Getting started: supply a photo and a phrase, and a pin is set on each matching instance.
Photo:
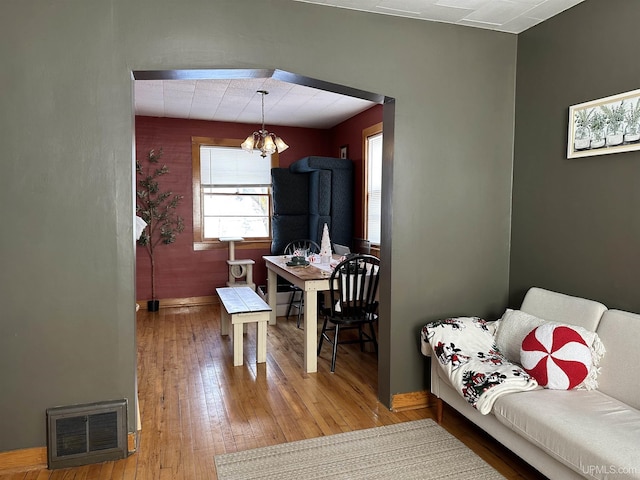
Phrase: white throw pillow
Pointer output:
(512, 328)
(516, 324)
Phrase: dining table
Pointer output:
(311, 278)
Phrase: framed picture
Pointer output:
(607, 125)
(344, 151)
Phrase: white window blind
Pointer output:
(231, 166)
(235, 189)
(374, 187)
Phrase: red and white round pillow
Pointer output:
(557, 356)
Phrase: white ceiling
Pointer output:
(236, 100)
(512, 16)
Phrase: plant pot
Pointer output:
(581, 144)
(153, 305)
(614, 139)
(631, 137)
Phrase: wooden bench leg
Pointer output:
(261, 342)
(237, 344)
(225, 320)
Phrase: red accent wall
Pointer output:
(182, 272)
(349, 133)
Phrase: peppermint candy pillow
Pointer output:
(557, 356)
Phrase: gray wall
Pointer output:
(67, 296)
(576, 223)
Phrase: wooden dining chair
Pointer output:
(305, 248)
(353, 303)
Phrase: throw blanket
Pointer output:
(467, 353)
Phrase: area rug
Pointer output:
(418, 450)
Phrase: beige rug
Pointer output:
(412, 450)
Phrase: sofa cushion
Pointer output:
(561, 308)
(320, 192)
(512, 328)
(587, 430)
(289, 193)
(557, 356)
(620, 367)
(287, 228)
(341, 193)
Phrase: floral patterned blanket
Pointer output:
(466, 351)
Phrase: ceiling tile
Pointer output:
(466, 4)
(550, 9)
(489, 14)
(497, 12)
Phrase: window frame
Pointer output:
(199, 242)
(368, 132)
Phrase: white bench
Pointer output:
(238, 306)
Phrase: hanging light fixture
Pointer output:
(262, 140)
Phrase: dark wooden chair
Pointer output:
(305, 248)
(353, 303)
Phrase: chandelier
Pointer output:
(262, 140)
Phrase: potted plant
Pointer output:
(597, 124)
(158, 209)
(632, 119)
(582, 135)
(615, 118)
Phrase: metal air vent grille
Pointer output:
(83, 434)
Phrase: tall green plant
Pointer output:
(582, 119)
(597, 122)
(157, 208)
(614, 117)
(632, 117)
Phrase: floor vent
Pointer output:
(84, 434)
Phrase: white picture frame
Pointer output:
(603, 126)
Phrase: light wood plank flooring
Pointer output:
(194, 404)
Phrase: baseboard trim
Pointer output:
(132, 442)
(411, 401)
(182, 302)
(25, 459)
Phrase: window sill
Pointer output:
(244, 245)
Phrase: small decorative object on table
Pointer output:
(298, 261)
(325, 246)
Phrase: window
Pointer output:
(372, 139)
(231, 192)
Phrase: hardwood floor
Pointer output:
(194, 404)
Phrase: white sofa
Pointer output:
(569, 433)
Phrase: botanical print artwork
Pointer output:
(608, 125)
